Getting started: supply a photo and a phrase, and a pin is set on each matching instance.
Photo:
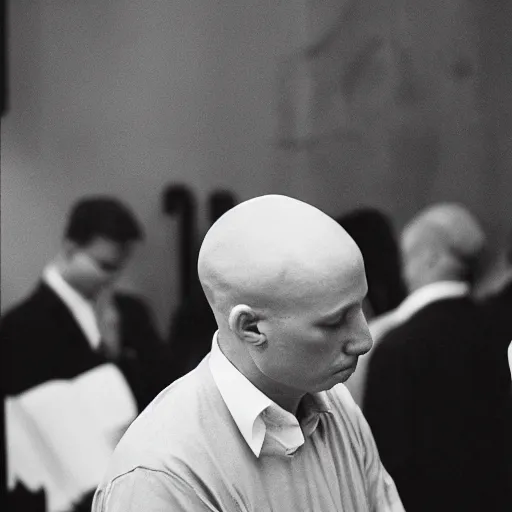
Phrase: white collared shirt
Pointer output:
(417, 300)
(80, 308)
(509, 356)
(264, 425)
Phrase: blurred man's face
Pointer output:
(93, 267)
(315, 342)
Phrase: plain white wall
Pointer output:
(125, 97)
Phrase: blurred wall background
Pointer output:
(340, 103)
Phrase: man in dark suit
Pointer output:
(498, 310)
(431, 399)
(74, 322)
(498, 304)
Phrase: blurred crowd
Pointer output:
(80, 359)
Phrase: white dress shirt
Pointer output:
(80, 308)
(259, 419)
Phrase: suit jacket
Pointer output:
(434, 408)
(41, 340)
(498, 309)
(498, 313)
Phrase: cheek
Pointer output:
(304, 350)
(320, 348)
(95, 281)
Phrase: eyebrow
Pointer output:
(333, 315)
(339, 311)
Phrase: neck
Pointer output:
(287, 402)
(285, 397)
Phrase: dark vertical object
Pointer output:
(219, 202)
(178, 200)
(3, 110)
(3, 472)
(373, 232)
(4, 71)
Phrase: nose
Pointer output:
(361, 340)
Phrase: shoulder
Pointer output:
(498, 306)
(150, 490)
(340, 396)
(437, 320)
(382, 324)
(349, 418)
(396, 341)
(455, 323)
(502, 297)
(343, 406)
(402, 349)
(174, 428)
(446, 312)
(38, 308)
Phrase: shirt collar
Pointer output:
(80, 308)
(253, 412)
(429, 293)
(416, 301)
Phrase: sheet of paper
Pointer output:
(61, 434)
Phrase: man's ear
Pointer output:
(432, 257)
(243, 321)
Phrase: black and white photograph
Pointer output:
(256, 256)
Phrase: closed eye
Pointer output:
(336, 323)
(343, 318)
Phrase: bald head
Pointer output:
(269, 249)
(446, 236)
(286, 284)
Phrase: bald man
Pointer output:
(264, 422)
(430, 389)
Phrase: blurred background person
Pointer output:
(373, 232)
(498, 303)
(431, 397)
(75, 323)
(497, 308)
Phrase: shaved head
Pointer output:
(444, 241)
(452, 224)
(266, 250)
(286, 284)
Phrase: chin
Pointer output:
(344, 375)
(334, 380)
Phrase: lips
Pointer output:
(352, 368)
